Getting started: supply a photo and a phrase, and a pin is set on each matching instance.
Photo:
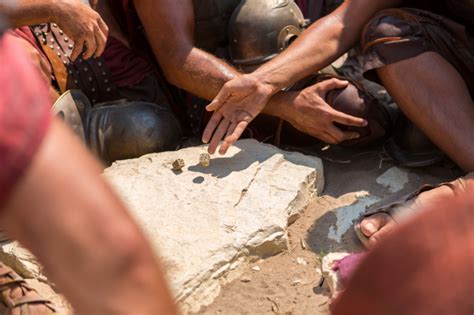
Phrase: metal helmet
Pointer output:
(260, 29)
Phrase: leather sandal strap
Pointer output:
(7, 285)
(393, 206)
(28, 300)
(11, 280)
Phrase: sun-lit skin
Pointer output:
(169, 26)
(81, 23)
(62, 210)
(427, 88)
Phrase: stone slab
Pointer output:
(206, 222)
(394, 179)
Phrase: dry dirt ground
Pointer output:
(290, 283)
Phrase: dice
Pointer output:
(178, 165)
(204, 159)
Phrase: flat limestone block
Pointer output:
(205, 222)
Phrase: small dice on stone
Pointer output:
(178, 165)
(204, 159)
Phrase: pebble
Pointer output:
(256, 268)
(301, 261)
(296, 282)
(303, 244)
(245, 279)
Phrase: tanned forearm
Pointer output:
(169, 25)
(200, 73)
(29, 12)
(322, 43)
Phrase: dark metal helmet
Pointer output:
(261, 29)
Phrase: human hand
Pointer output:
(312, 115)
(237, 104)
(83, 25)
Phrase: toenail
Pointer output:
(370, 228)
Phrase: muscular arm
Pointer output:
(65, 213)
(170, 28)
(169, 25)
(322, 43)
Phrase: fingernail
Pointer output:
(357, 136)
(366, 123)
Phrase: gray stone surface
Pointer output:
(394, 179)
(207, 222)
(345, 215)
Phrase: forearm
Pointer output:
(280, 105)
(169, 25)
(316, 48)
(198, 72)
(29, 12)
(321, 44)
(82, 234)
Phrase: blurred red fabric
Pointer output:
(24, 114)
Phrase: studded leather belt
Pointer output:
(90, 76)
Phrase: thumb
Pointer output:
(219, 100)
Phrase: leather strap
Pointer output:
(28, 300)
(10, 280)
(90, 76)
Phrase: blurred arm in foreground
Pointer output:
(54, 201)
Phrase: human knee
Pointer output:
(353, 101)
(386, 25)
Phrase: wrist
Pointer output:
(268, 81)
(281, 105)
(56, 10)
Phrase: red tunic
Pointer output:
(24, 114)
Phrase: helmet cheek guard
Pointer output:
(260, 29)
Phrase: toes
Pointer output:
(371, 225)
(382, 233)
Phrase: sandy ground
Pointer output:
(290, 283)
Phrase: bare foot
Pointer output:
(376, 227)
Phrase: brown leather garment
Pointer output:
(356, 101)
(17, 298)
(90, 76)
(353, 101)
(394, 35)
